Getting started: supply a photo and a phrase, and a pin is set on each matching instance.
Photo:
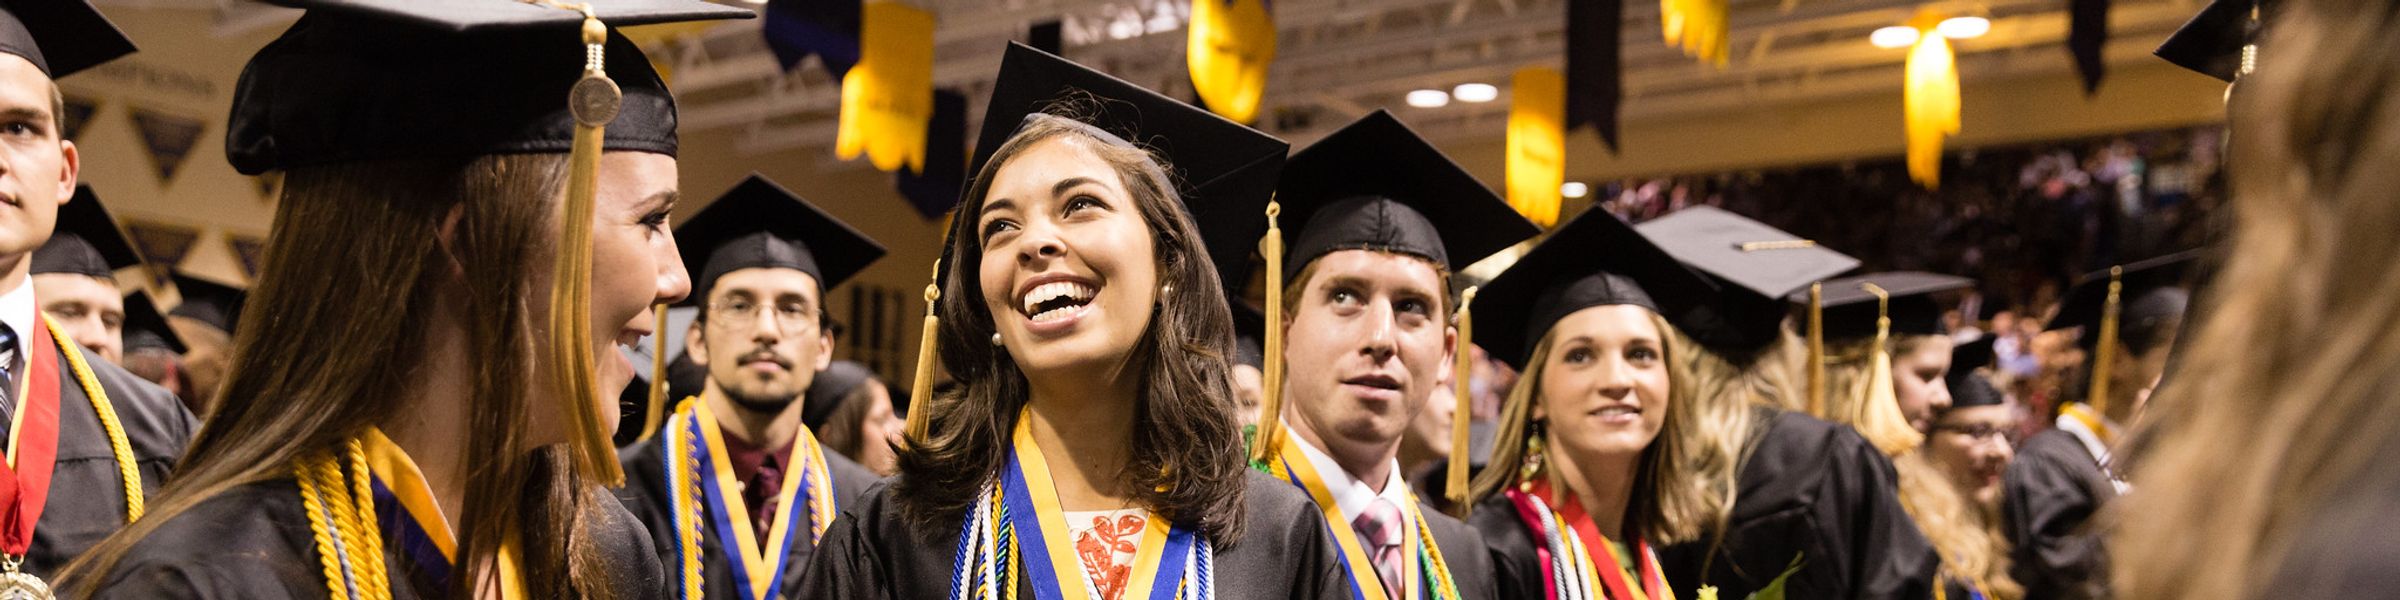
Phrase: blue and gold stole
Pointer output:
(1021, 515)
(702, 491)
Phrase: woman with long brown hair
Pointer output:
(410, 409)
(1600, 453)
(1089, 449)
(2264, 470)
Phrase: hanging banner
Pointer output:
(1930, 102)
(77, 113)
(1698, 27)
(828, 29)
(888, 98)
(1228, 48)
(167, 138)
(933, 190)
(269, 184)
(252, 251)
(1537, 143)
(162, 245)
(1595, 66)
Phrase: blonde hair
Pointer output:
(2285, 398)
(1968, 544)
(1688, 474)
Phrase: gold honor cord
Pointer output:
(920, 395)
(1264, 448)
(128, 473)
(1461, 411)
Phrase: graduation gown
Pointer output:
(1819, 492)
(645, 494)
(2050, 493)
(1513, 553)
(253, 542)
(872, 552)
(87, 498)
(2344, 548)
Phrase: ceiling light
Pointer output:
(1960, 28)
(1429, 98)
(1574, 189)
(1475, 92)
(1896, 36)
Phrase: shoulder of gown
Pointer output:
(850, 479)
(1817, 493)
(2050, 493)
(1510, 550)
(1463, 552)
(251, 541)
(2345, 548)
(157, 424)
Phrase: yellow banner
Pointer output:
(1930, 101)
(888, 98)
(1696, 26)
(1537, 143)
(1230, 45)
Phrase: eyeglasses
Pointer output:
(741, 314)
(1981, 431)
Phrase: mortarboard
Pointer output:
(2214, 41)
(1851, 309)
(216, 304)
(1249, 335)
(362, 80)
(1753, 267)
(826, 391)
(60, 37)
(1967, 387)
(1225, 172)
(2147, 293)
(1375, 184)
(1593, 260)
(85, 241)
(760, 224)
(145, 328)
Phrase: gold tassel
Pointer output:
(920, 397)
(1816, 349)
(658, 374)
(2104, 353)
(1263, 449)
(1461, 416)
(1929, 101)
(594, 101)
(1878, 416)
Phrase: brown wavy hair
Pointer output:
(1188, 465)
(2285, 401)
(366, 234)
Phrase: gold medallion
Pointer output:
(20, 585)
(595, 100)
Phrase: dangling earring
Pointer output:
(996, 340)
(1531, 468)
(1166, 289)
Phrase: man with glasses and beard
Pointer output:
(733, 486)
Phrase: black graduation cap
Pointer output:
(1226, 171)
(216, 304)
(1375, 184)
(2151, 290)
(86, 241)
(60, 37)
(2211, 43)
(145, 328)
(1249, 335)
(358, 80)
(1593, 260)
(1851, 309)
(760, 224)
(1969, 388)
(825, 393)
(1753, 267)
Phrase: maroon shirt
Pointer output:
(761, 475)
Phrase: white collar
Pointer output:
(2092, 444)
(17, 308)
(1350, 494)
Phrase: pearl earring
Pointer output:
(996, 339)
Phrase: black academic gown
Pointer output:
(645, 494)
(2344, 547)
(1512, 551)
(1819, 492)
(253, 542)
(87, 496)
(2050, 493)
(1463, 548)
(874, 553)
